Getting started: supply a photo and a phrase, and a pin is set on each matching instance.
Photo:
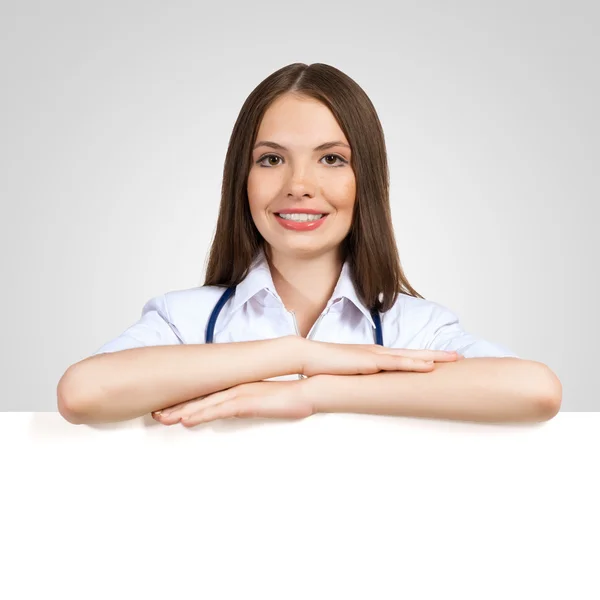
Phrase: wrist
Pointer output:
(297, 349)
(315, 390)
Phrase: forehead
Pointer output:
(291, 119)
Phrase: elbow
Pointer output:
(66, 411)
(548, 407)
(549, 394)
(69, 407)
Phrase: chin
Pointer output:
(301, 250)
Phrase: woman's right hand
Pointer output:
(364, 359)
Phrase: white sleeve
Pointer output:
(154, 328)
(445, 333)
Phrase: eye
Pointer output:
(269, 157)
(262, 158)
(334, 157)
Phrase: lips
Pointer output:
(300, 225)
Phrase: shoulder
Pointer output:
(188, 310)
(410, 311)
(177, 317)
(414, 322)
(192, 299)
(418, 323)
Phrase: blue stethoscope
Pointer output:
(212, 321)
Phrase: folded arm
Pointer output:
(472, 389)
(126, 384)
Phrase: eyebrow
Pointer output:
(277, 146)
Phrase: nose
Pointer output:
(301, 182)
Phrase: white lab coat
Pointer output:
(256, 312)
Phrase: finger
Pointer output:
(406, 351)
(435, 355)
(163, 412)
(192, 407)
(402, 363)
(172, 415)
(157, 417)
(216, 398)
(168, 420)
(178, 406)
(224, 410)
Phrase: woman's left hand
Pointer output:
(267, 399)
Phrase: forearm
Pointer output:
(123, 385)
(476, 389)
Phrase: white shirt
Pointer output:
(256, 312)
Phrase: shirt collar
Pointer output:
(259, 279)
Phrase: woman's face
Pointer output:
(294, 169)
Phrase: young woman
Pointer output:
(305, 307)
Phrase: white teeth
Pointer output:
(301, 217)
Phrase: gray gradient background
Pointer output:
(115, 118)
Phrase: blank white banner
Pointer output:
(332, 506)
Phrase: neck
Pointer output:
(305, 284)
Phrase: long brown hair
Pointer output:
(370, 245)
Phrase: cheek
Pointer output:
(259, 190)
(346, 194)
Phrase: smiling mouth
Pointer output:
(301, 217)
(300, 221)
